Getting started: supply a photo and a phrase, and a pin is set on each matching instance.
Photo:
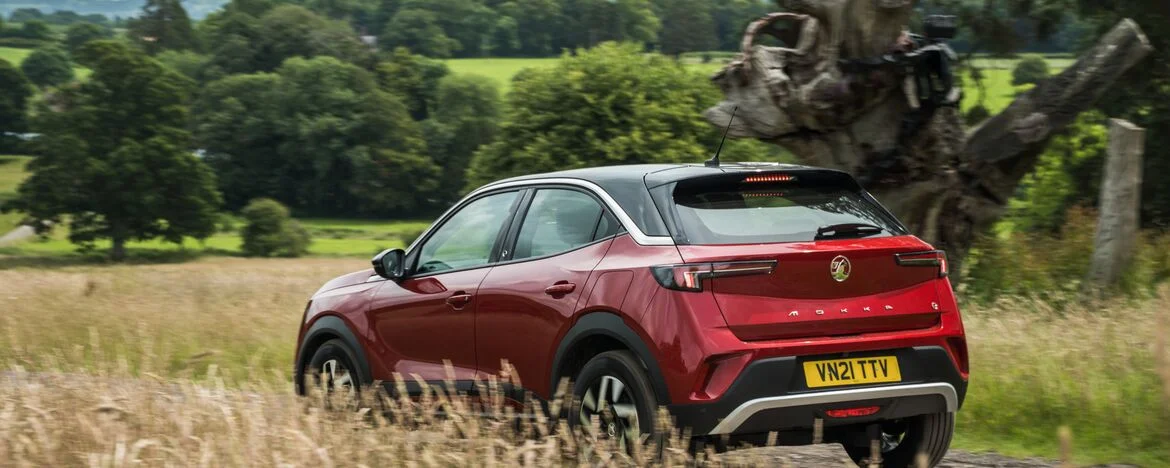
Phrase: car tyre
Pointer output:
(901, 444)
(614, 387)
(333, 368)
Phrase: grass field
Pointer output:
(502, 70)
(1091, 368)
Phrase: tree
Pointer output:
(605, 106)
(47, 67)
(539, 25)
(592, 22)
(1031, 70)
(419, 31)
(414, 78)
(15, 92)
(687, 26)
(271, 231)
(188, 63)
(946, 185)
(319, 136)
(36, 29)
(114, 160)
(80, 33)
(466, 117)
(731, 17)
(24, 15)
(293, 31)
(162, 25)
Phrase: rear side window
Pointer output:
(751, 210)
(558, 221)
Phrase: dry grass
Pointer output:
(189, 364)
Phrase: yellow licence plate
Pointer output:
(867, 370)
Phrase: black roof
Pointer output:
(628, 185)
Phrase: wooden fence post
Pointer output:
(1118, 223)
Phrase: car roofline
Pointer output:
(624, 218)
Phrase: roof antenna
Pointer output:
(714, 161)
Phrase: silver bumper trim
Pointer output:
(741, 414)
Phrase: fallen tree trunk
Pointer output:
(945, 184)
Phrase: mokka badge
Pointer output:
(840, 268)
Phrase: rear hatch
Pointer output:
(801, 254)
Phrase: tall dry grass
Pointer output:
(120, 359)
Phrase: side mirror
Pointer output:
(389, 264)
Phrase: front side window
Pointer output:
(558, 221)
(466, 239)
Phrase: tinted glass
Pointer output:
(557, 221)
(466, 239)
(736, 212)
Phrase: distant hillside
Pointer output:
(111, 8)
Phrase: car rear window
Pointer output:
(770, 209)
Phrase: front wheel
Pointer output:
(614, 390)
(901, 443)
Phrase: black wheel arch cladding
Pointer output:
(611, 326)
(326, 329)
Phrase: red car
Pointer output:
(746, 298)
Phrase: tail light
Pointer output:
(689, 277)
(958, 349)
(853, 412)
(929, 259)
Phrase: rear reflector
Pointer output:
(689, 277)
(853, 412)
(930, 258)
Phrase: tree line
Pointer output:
(285, 101)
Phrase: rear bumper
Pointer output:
(771, 395)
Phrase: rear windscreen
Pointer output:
(749, 210)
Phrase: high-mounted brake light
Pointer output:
(769, 178)
(932, 258)
(689, 277)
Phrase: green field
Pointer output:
(502, 70)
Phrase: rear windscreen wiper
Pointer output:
(847, 230)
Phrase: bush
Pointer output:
(271, 232)
(977, 115)
(47, 67)
(80, 33)
(22, 42)
(1031, 70)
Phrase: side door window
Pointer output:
(559, 220)
(466, 239)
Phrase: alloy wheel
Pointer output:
(610, 401)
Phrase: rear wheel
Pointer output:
(901, 442)
(616, 399)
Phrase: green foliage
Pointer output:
(976, 115)
(15, 92)
(114, 160)
(247, 37)
(1031, 70)
(163, 25)
(687, 26)
(419, 31)
(318, 135)
(271, 232)
(466, 117)
(186, 62)
(605, 106)
(48, 67)
(1068, 173)
(592, 22)
(539, 25)
(35, 30)
(80, 33)
(413, 77)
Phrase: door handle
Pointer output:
(459, 301)
(560, 289)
